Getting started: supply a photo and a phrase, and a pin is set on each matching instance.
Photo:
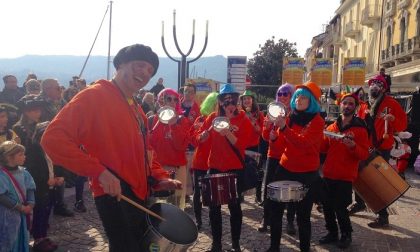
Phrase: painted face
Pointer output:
(302, 103)
(229, 104)
(136, 74)
(348, 106)
(375, 89)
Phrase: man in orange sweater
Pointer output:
(384, 118)
(340, 169)
(101, 133)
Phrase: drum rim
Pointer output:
(220, 175)
(271, 104)
(162, 109)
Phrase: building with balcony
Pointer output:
(400, 48)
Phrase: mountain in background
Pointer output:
(64, 67)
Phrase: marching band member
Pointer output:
(276, 148)
(170, 141)
(340, 169)
(303, 133)
(384, 118)
(201, 153)
(222, 159)
(249, 104)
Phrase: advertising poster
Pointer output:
(236, 75)
(204, 87)
(354, 71)
(293, 70)
(321, 72)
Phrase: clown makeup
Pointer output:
(375, 89)
(229, 100)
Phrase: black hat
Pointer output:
(136, 52)
(29, 101)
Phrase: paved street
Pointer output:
(84, 232)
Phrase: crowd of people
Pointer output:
(111, 132)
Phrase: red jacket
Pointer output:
(399, 124)
(202, 150)
(100, 119)
(302, 145)
(256, 134)
(170, 141)
(194, 113)
(341, 162)
(222, 157)
(276, 147)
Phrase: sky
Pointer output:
(235, 28)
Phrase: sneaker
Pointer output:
(355, 208)
(329, 238)
(290, 229)
(344, 241)
(80, 207)
(379, 223)
(62, 211)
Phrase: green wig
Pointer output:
(209, 104)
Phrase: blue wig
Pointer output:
(313, 103)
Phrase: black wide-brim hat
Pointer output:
(30, 102)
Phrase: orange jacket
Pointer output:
(194, 113)
(399, 124)
(341, 162)
(276, 147)
(170, 141)
(100, 119)
(222, 157)
(202, 150)
(302, 145)
(256, 134)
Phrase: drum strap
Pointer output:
(236, 151)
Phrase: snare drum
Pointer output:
(219, 189)
(286, 191)
(165, 236)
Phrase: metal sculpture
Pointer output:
(183, 64)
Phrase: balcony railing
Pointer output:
(401, 51)
(370, 14)
(351, 29)
(390, 9)
(403, 4)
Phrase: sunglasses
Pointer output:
(377, 83)
(282, 94)
(171, 99)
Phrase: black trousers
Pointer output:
(383, 214)
(338, 198)
(235, 210)
(197, 193)
(303, 208)
(124, 224)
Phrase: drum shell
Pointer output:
(153, 240)
(379, 185)
(219, 189)
(189, 156)
(286, 191)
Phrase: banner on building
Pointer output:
(293, 70)
(236, 75)
(354, 70)
(204, 87)
(321, 72)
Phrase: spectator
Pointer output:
(33, 87)
(158, 87)
(11, 92)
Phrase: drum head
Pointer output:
(220, 123)
(276, 109)
(285, 184)
(178, 227)
(165, 114)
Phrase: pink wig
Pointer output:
(170, 92)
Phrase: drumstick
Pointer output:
(144, 209)
(385, 136)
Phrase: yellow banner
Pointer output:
(204, 87)
(293, 70)
(354, 71)
(321, 72)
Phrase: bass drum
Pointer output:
(177, 233)
(379, 185)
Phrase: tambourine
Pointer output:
(275, 109)
(165, 114)
(220, 123)
(333, 135)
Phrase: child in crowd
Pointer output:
(6, 134)
(41, 168)
(17, 200)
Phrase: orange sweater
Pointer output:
(302, 146)
(222, 157)
(342, 162)
(276, 147)
(100, 119)
(202, 150)
(170, 150)
(256, 134)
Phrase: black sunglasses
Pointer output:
(282, 94)
(170, 99)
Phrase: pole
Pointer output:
(380, 34)
(108, 72)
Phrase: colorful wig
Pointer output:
(285, 88)
(313, 103)
(209, 104)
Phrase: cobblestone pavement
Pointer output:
(85, 233)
